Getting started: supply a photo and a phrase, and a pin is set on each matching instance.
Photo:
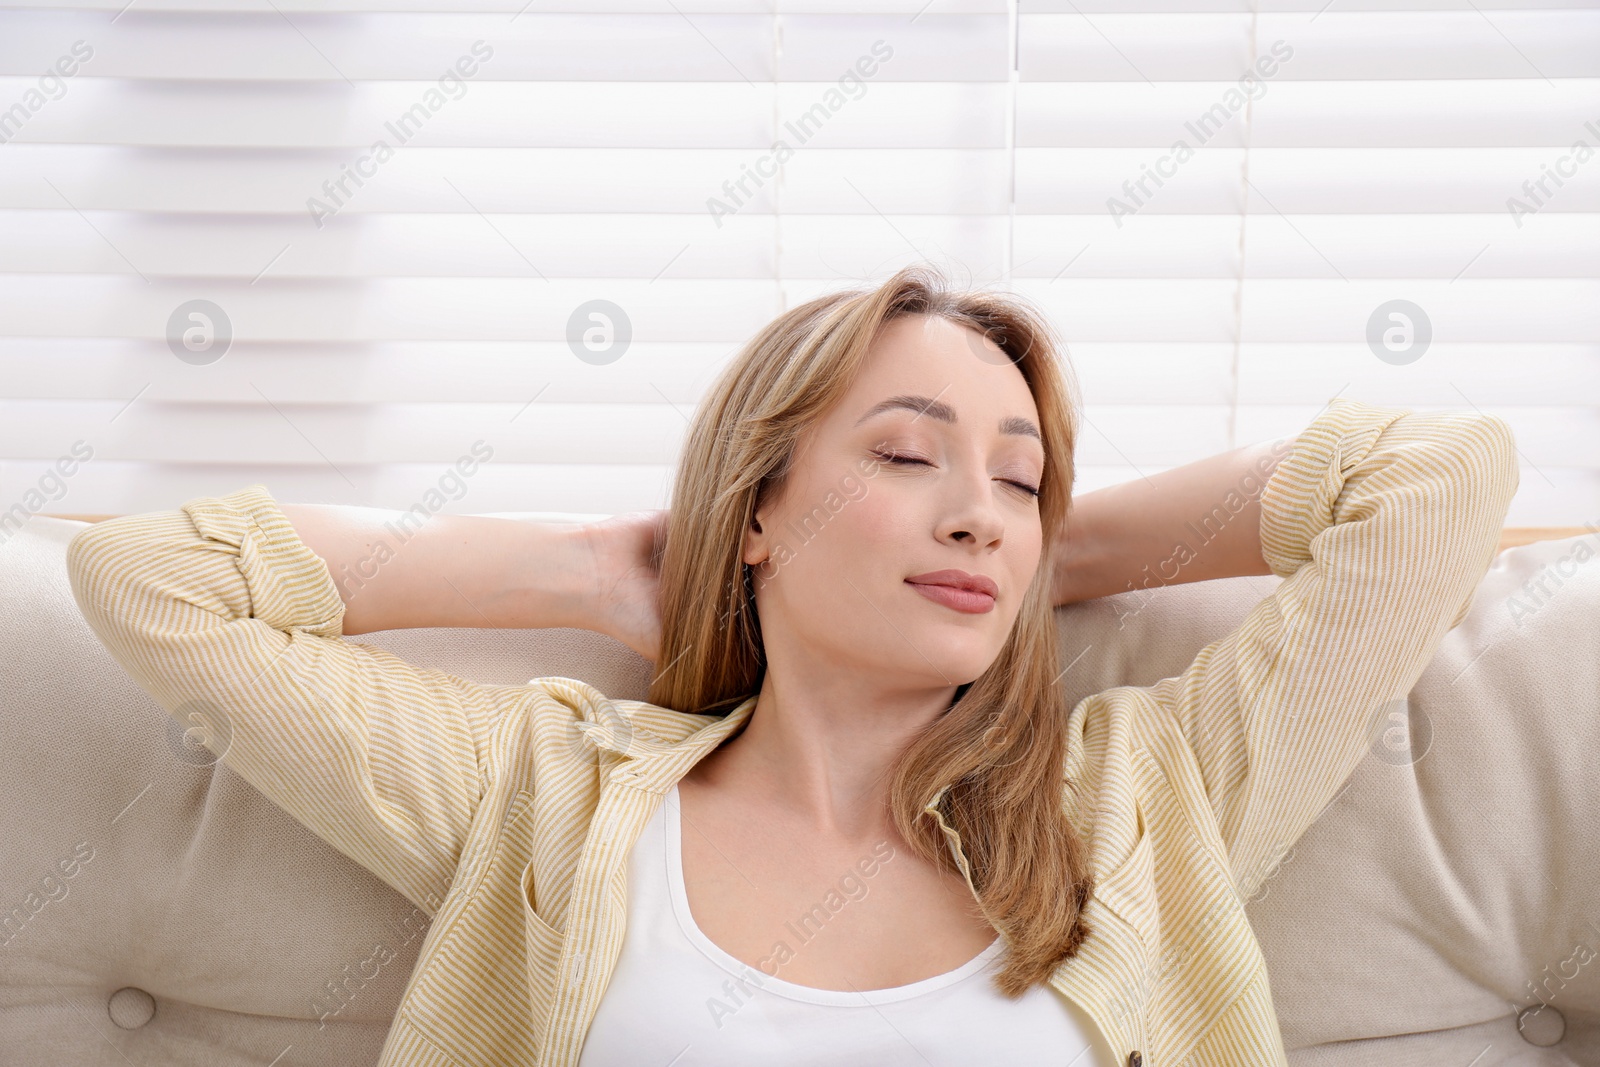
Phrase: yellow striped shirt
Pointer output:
(508, 812)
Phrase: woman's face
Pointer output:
(851, 525)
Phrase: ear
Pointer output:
(754, 550)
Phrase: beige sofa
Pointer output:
(1445, 910)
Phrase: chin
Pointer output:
(959, 667)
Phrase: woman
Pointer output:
(855, 822)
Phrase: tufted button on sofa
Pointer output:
(131, 1007)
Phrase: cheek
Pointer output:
(1028, 558)
(874, 515)
(862, 539)
(877, 519)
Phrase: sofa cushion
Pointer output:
(157, 908)
(1446, 905)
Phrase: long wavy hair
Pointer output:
(1002, 743)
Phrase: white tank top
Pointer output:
(677, 1000)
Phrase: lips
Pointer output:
(972, 594)
(976, 583)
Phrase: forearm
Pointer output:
(1188, 524)
(452, 570)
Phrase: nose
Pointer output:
(974, 519)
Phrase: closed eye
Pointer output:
(895, 457)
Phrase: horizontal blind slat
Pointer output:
(405, 116)
(1158, 374)
(664, 45)
(893, 181)
(271, 247)
(490, 309)
(1338, 43)
(1455, 113)
(1302, 181)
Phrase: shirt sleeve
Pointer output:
(233, 624)
(1381, 521)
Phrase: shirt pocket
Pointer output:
(1130, 890)
(544, 944)
(477, 958)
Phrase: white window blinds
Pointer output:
(388, 218)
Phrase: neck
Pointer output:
(822, 757)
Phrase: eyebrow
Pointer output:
(938, 409)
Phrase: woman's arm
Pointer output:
(221, 613)
(1381, 521)
(232, 616)
(1187, 524)
(450, 570)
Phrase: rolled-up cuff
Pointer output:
(1298, 501)
(289, 585)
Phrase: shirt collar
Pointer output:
(657, 746)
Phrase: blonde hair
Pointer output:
(1002, 743)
